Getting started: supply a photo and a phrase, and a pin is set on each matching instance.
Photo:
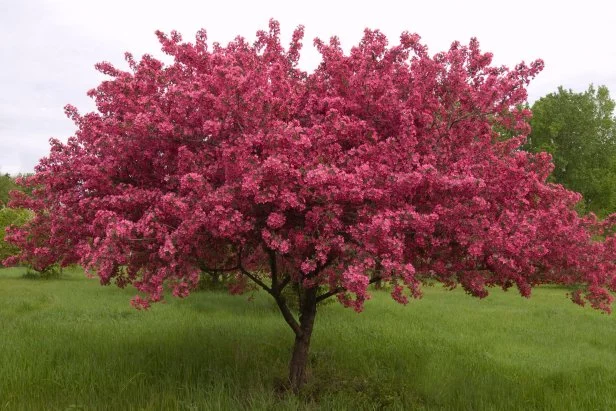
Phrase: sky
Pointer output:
(49, 47)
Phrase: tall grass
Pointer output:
(72, 344)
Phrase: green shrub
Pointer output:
(210, 281)
(8, 217)
(51, 272)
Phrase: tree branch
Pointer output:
(274, 291)
(338, 290)
(273, 270)
(321, 267)
(288, 316)
(330, 294)
(285, 282)
(219, 270)
(250, 275)
(255, 279)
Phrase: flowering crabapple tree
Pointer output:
(385, 164)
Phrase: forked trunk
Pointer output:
(301, 349)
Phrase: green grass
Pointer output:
(72, 344)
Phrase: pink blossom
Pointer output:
(276, 220)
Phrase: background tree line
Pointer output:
(579, 131)
(9, 216)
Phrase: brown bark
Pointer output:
(301, 349)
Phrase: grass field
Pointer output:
(72, 344)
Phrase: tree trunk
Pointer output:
(299, 359)
(215, 279)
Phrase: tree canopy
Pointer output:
(579, 130)
(384, 164)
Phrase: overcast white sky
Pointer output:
(48, 47)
